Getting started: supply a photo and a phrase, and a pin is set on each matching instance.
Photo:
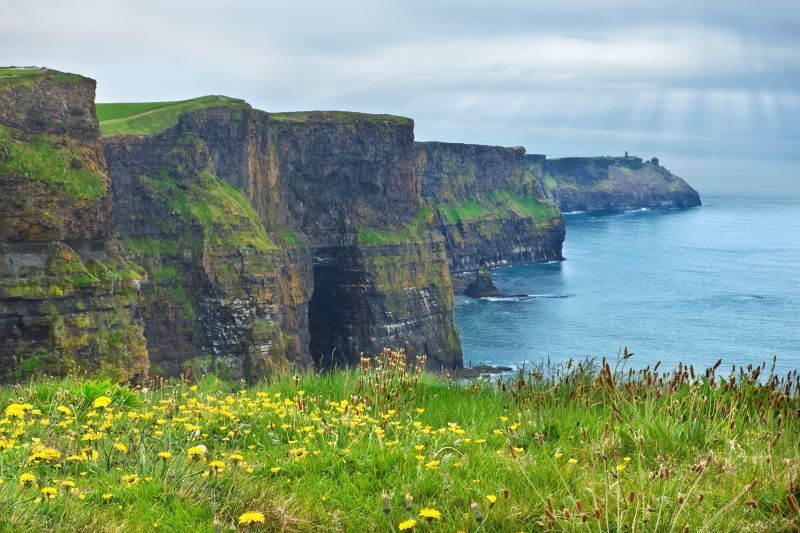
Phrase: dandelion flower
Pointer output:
(431, 464)
(430, 513)
(164, 455)
(196, 452)
(121, 447)
(492, 499)
(27, 478)
(106, 496)
(406, 525)
(620, 467)
(252, 517)
(216, 466)
(49, 492)
(101, 401)
(572, 461)
(558, 455)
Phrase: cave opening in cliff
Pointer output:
(338, 313)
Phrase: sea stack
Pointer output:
(483, 286)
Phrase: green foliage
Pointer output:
(573, 447)
(412, 232)
(497, 204)
(150, 118)
(58, 163)
(342, 117)
(220, 209)
(14, 77)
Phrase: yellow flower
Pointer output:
(15, 410)
(101, 401)
(408, 524)
(492, 499)
(431, 464)
(252, 517)
(572, 461)
(121, 447)
(216, 466)
(558, 455)
(196, 452)
(49, 492)
(106, 496)
(430, 513)
(620, 467)
(626, 459)
(164, 455)
(64, 410)
(27, 478)
(274, 469)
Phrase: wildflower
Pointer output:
(164, 455)
(406, 525)
(129, 480)
(196, 452)
(558, 455)
(64, 410)
(15, 410)
(430, 513)
(49, 492)
(274, 469)
(121, 447)
(572, 461)
(431, 464)
(27, 478)
(492, 499)
(216, 466)
(626, 459)
(252, 517)
(620, 467)
(101, 401)
(106, 496)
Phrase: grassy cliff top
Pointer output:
(26, 76)
(337, 116)
(150, 118)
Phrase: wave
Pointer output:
(574, 213)
(522, 297)
(640, 210)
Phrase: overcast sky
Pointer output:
(710, 87)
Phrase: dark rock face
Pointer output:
(488, 206)
(68, 299)
(483, 286)
(611, 183)
(344, 229)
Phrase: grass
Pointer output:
(223, 212)
(347, 117)
(58, 163)
(14, 77)
(150, 118)
(497, 204)
(410, 233)
(575, 447)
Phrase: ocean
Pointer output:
(721, 281)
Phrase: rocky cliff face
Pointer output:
(610, 183)
(68, 299)
(275, 239)
(488, 206)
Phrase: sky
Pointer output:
(711, 87)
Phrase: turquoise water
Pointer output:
(695, 285)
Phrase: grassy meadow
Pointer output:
(389, 447)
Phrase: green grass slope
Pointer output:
(388, 447)
(150, 118)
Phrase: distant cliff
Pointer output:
(488, 206)
(610, 183)
(68, 298)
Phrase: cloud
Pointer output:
(680, 77)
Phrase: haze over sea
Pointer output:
(695, 285)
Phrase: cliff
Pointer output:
(610, 183)
(278, 239)
(68, 299)
(487, 205)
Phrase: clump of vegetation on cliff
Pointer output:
(389, 446)
(150, 118)
(58, 162)
(497, 204)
